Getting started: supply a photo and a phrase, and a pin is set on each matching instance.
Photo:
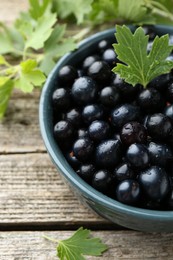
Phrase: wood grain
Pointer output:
(20, 129)
(31, 190)
(122, 245)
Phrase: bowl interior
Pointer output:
(46, 125)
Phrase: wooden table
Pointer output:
(35, 201)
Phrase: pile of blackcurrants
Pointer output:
(118, 138)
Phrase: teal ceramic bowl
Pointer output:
(121, 214)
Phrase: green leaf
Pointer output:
(38, 9)
(103, 10)
(29, 76)
(59, 50)
(6, 45)
(6, 86)
(55, 47)
(55, 37)
(47, 64)
(78, 8)
(17, 41)
(167, 4)
(24, 17)
(11, 40)
(37, 33)
(160, 10)
(140, 67)
(80, 244)
(3, 61)
(64, 47)
(132, 10)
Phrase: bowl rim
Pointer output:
(67, 171)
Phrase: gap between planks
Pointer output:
(60, 226)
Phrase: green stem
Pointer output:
(4, 72)
(13, 73)
(163, 14)
(159, 9)
(81, 34)
(51, 239)
(158, 5)
(27, 54)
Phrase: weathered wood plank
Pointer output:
(32, 191)
(19, 131)
(10, 9)
(122, 245)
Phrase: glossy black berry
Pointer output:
(61, 99)
(133, 132)
(83, 149)
(169, 92)
(169, 112)
(73, 161)
(124, 114)
(160, 83)
(116, 81)
(149, 30)
(92, 112)
(108, 153)
(102, 180)
(149, 46)
(99, 130)
(110, 57)
(103, 45)
(152, 204)
(88, 61)
(138, 156)
(127, 91)
(151, 101)
(74, 117)
(82, 132)
(86, 172)
(110, 96)
(169, 201)
(128, 192)
(100, 72)
(155, 183)
(170, 139)
(63, 130)
(158, 126)
(123, 172)
(160, 154)
(170, 58)
(84, 90)
(67, 75)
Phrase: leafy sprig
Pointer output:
(131, 11)
(77, 8)
(78, 245)
(29, 49)
(139, 66)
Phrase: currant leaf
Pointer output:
(80, 244)
(6, 86)
(29, 76)
(139, 66)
